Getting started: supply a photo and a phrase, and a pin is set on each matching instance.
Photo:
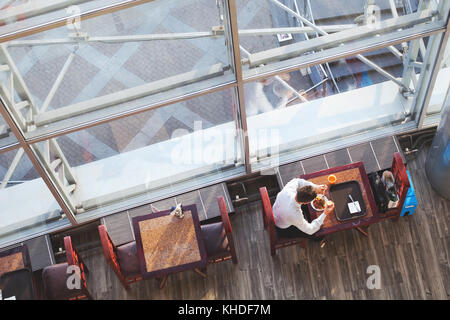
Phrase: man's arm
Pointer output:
(309, 228)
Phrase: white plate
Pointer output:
(323, 197)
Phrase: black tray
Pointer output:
(339, 194)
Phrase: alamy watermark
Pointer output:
(215, 145)
(374, 280)
(73, 281)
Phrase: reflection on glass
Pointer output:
(323, 103)
(27, 206)
(441, 85)
(6, 136)
(271, 29)
(119, 61)
(150, 154)
(16, 15)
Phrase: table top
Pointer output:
(18, 284)
(13, 259)
(167, 244)
(354, 171)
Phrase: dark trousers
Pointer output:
(294, 232)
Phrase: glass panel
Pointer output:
(273, 31)
(155, 153)
(121, 61)
(27, 206)
(7, 138)
(303, 110)
(16, 15)
(441, 85)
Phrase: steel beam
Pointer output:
(34, 8)
(57, 83)
(281, 81)
(339, 52)
(62, 21)
(242, 117)
(317, 35)
(12, 168)
(327, 41)
(433, 60)
(172, 36)
(37, 164)
(19, 84)
(331, 40)
(129, 94)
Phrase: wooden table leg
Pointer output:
(163, 282)
(200, 272)
(362, 231)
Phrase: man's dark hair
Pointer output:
(306, 194)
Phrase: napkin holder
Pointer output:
(177, 211)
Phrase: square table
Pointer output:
(167, 244)
(14, 259)
(354, 171)
(18, 284)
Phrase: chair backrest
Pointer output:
(268, 216)
(109, 249)
(227, 226)
(73, 258)
(401, 179)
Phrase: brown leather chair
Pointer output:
(55, 277)
(276, 242)
(123, 259)
(218, 237)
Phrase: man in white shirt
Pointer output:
(290, 216)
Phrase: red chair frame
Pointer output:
(401, 184)
(229, 233)
(269, 225)
(74, 258)
(109, 249)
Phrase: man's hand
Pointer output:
(329, 207)
(321, 189)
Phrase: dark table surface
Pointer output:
(350, 172)
(167, 244)
(18, 283)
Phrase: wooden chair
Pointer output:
(55, 278)
(218, 237)
(402, 184)
(123, 259)
(276, 242)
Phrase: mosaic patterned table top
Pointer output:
(167, 242)
(11, 262)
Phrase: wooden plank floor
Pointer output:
(413, 256)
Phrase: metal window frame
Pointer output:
(241, 77)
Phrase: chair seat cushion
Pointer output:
(128, 259)
(215, 238)
(55, 282)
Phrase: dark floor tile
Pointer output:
(209, 197)
(192, 197)
(139, 211)
(363, 152)
(314, 164)
(338, 158)
(290, 171)
(165, 204)
(384, 150)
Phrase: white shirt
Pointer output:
(287, 211)
(255, 99)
